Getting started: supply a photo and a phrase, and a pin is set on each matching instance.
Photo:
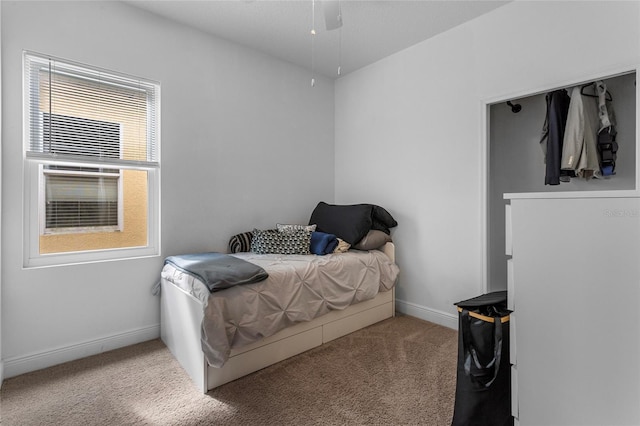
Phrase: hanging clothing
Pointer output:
(607, 145)
(605, 109)
(553, 134)
(579, 147)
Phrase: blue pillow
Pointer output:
(323, 243)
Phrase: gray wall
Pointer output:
(246, 142)
(411, 131)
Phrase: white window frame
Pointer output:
(33, 179)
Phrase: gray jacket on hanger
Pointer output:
(579, 148)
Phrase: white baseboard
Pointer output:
(427, 314)
(1, 373)
(36, 361)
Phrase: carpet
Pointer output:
(400, 371)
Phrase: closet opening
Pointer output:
(515, 159)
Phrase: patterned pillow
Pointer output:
(240, 242)
(281, 227)
(274, 241)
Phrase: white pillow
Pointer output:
(286, 228)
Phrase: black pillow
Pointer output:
(382, 220)
(348, 222)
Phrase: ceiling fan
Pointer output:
(332, 21)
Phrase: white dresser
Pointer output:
(574, 287)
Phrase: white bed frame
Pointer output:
(181, 317)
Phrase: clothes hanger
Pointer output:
(608, 96)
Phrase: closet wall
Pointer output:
(516, 162)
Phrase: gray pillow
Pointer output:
(373, 240)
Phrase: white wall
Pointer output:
(409, 129)
(1, 360)
(246, 142)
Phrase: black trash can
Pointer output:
(483, 385)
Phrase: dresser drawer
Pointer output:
(513, 355)
(508, 244)
(515, 412)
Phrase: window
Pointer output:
(81, 198)
(92, 163)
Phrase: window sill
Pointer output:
(98, 256)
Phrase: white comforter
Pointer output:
(299, 288)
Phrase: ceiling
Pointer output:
(371, 29)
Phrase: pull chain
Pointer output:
(339, 49)
(313, 34)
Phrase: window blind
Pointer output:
(65, 100)
(68, 135)
(81, 200)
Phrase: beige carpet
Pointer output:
(397, 372)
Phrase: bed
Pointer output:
(306, 301)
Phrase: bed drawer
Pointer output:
(263, 356)
(349, 324)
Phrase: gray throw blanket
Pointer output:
(217, 270)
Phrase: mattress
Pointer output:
(299, 288)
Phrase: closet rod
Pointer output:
(515, 108)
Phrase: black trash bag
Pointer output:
(483, 385)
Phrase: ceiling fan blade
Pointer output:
(332, 14)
